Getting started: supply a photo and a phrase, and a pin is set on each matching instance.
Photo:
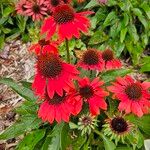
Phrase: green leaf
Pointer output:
(143, 123)
(108, 144)
(58, 138)
(146, 8)
(145, 67)
(30, 140)
(123, 148)
(73, 125)
(98, 37)
(91, 4)
(133, 33)
(111, 75)
(7, 11)
(2, 41)
(123, 34)
(79, 142)
(21, 90)
(25, 124)
(109, 18)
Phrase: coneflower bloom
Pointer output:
(37, 9)
(134, 95)
(20, 7)
(91, 60)
(66, 22)
(109, 61)
(117, 128)
(54, 74)
(91, 93)
(44, 46)
(58, 108)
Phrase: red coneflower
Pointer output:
(92, 93)
(36, 8)
(44, 46)
(20, 7)
(134, 95)
(54, 73)
(91, 60)
(109, 61)
(66, 22)
(57, 108)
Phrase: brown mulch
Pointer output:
(16, 62)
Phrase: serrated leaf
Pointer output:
(21, 90)
(25, 124)
(30, 140)
(111, 75)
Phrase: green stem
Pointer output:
(97, 132)
(67, 49)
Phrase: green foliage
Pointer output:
(29, 142)
(12, 25)
(123, 26)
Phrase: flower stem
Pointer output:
(68, 53)
(98, 133)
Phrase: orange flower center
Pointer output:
(57, 99)
(36, 9)
(119, 125)
(49, 65)
(91, 57)
(86, 92)
(134, 91)
(63, 14)
(108, 55)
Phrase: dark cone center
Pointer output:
(86, 121)
(49, 65)
(54, 3)
(119, 125)
(43, 42)
(134, 91)
(63, 14)
(86, 92)
(90, 57)
(57, 99)
(108, 55)
(36, 9)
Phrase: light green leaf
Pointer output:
(111, 75)
(22, 91)
(123, 34)
(146, 8)
(109, 18)
(91, 4)
(8, 10)
(30, 140)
